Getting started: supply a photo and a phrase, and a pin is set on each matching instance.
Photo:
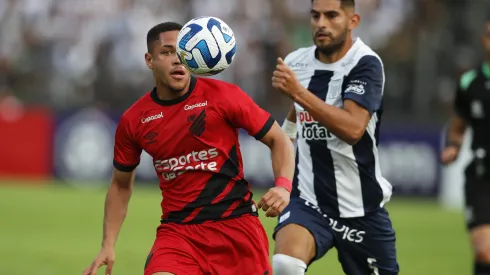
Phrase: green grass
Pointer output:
(57, 231)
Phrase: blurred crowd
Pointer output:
(68, 54)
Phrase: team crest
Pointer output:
(334, 88)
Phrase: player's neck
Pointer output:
(336, 56)
(165, 93)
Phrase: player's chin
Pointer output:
(178, 83)
(322, 44)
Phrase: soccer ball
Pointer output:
(206, 45)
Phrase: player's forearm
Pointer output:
(457, 128)
(116, 206)
(338, 121)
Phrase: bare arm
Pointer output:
(116, 205)
(282, 152)
(457, 128)
(455, 135)
(348, 124)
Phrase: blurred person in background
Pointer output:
(338, 193)
(189, 126)
(472, 108)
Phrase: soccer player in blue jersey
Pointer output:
(338, 192)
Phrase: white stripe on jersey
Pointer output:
(305, 172)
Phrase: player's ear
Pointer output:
(149, 60)
(354, 21)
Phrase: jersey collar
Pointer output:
(169, 102)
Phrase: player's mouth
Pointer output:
(178, 74)
(321, 36)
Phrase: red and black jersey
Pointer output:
(193, 141)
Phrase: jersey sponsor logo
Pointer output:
(346, 233)
(150, 137)
(200, 160)
(356, 87)
(153, 117)
(310, 129)
(297, 65)
(197, 105)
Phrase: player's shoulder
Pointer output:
(216, 88)
(365, 57)
(467, 78)
(138, 108)
(299, 56)
(211, 82)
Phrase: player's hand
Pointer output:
(106, 257)
(274, 201)
(449, 154)
(285, 80)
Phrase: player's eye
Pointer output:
(331, 15)
(166, 52)
(315, 16)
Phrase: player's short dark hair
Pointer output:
(154, 33)
(345, 3)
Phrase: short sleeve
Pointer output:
(126, 151)
(365, 83)
(244, 113)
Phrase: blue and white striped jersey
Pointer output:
(340, 179)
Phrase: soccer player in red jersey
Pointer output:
(190, 127)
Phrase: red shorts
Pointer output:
(235, 246)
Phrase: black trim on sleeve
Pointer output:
(124, 168)
(265, 129)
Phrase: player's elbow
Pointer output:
(354, 135)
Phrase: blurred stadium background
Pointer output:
(69, 68)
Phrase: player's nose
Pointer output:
(177, 60)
